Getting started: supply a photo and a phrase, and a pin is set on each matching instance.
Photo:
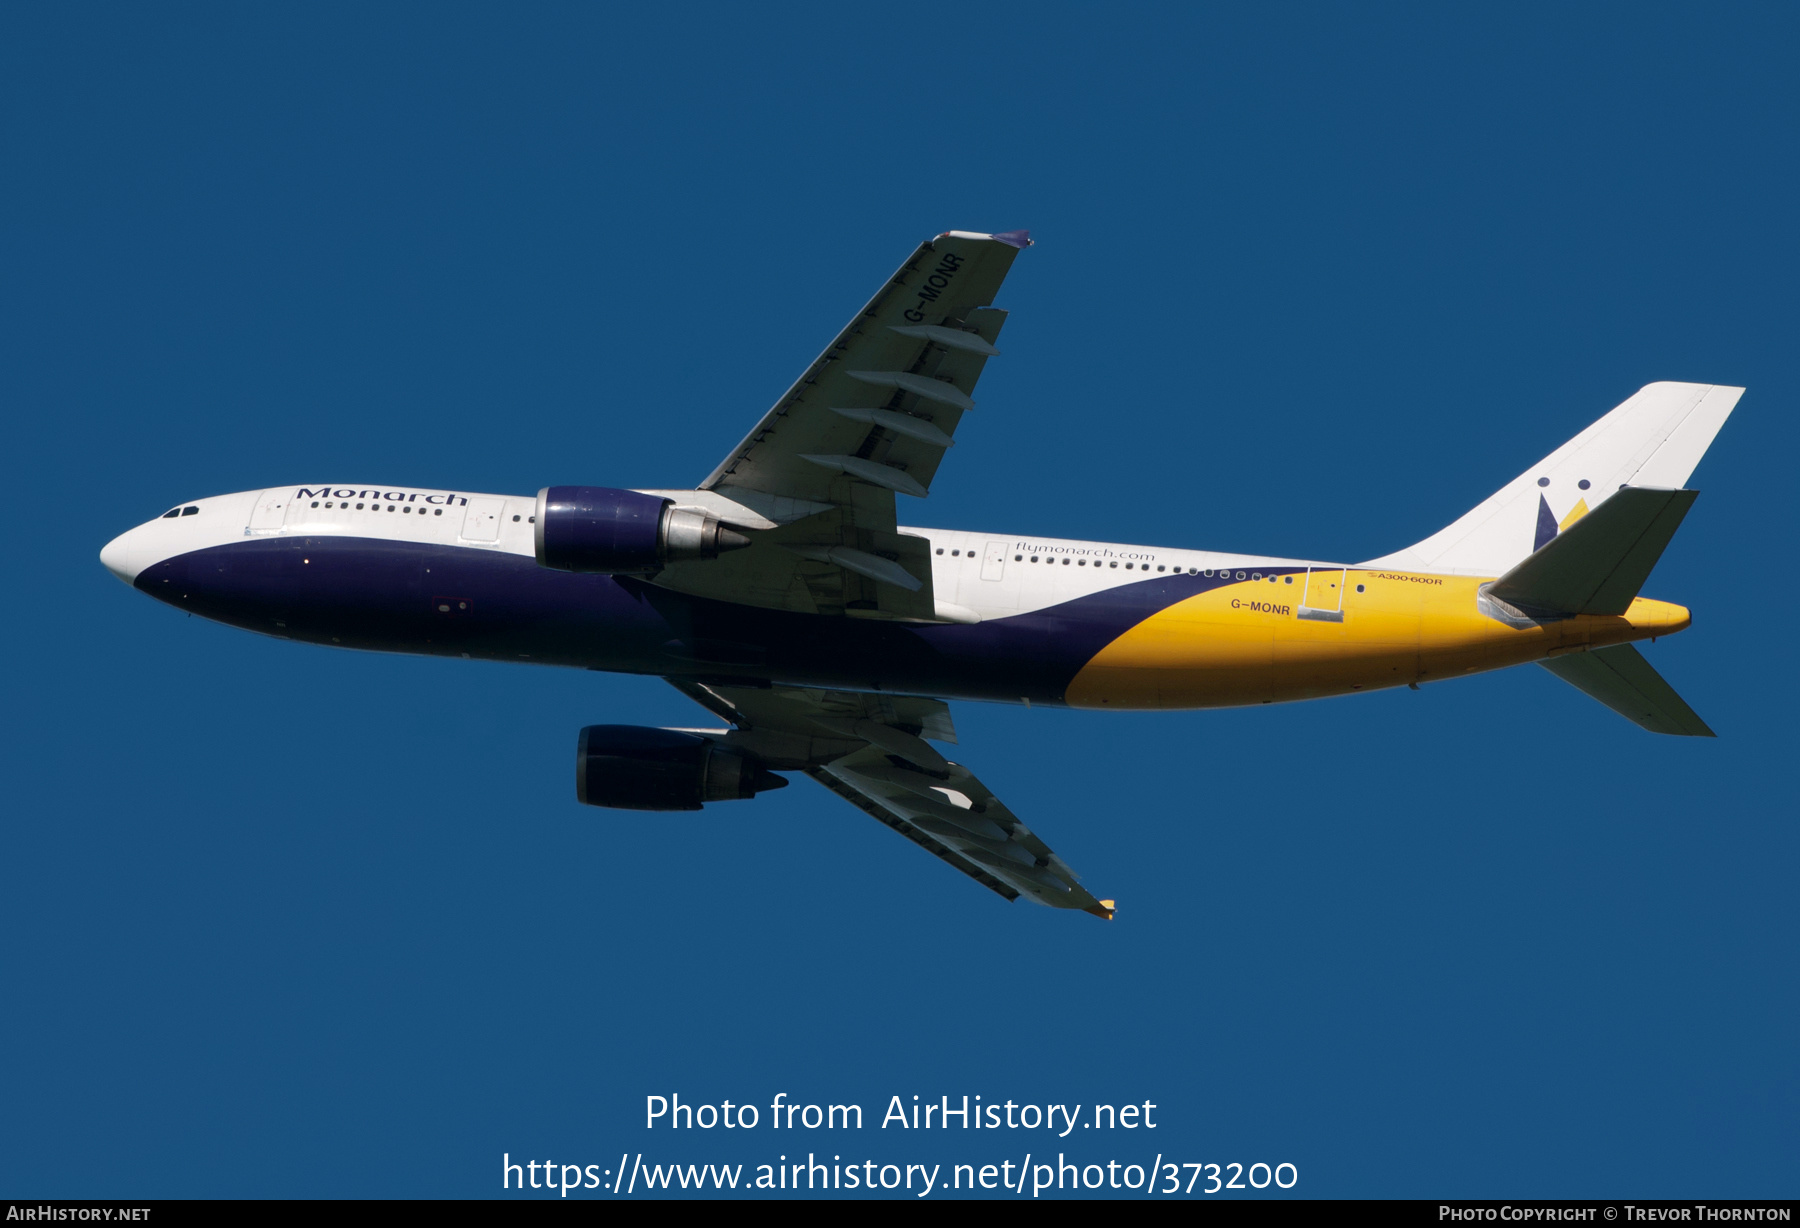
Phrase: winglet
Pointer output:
(1103, 910)
(1012, 238)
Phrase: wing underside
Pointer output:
(871, 418)
(871, 750)
(879, 406)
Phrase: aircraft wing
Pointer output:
(879, 406)
(870, 750)
(872, 417)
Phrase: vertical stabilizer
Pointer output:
(1654, 439)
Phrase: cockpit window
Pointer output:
(190, 511)
(171, 513)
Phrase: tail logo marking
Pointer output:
(1547, 524)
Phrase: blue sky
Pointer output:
(282, 920)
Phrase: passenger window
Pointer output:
(438, 511)
(940, 549)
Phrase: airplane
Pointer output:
(783, 595)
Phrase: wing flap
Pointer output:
(881, 573)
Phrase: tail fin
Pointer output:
(1654, 439)
(1620, 678)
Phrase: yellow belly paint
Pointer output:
(1246, 643)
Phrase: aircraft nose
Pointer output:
(118, 557)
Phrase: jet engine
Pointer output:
(598, 529)
(630, 767)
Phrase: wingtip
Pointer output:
(1102, 909)
(1012, 238)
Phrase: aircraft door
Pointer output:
(482, 523)
(993, 561)
(1322, 600)
(270, 510)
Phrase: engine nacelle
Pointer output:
(599, 529)
(630, 767)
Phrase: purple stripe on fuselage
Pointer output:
(395, 596)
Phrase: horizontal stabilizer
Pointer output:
(1598, 564)
(1621, 679)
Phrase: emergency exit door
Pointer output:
(482, 523)
(270, 511)
(1323, 597)
(993, 561)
